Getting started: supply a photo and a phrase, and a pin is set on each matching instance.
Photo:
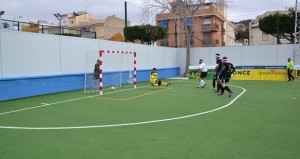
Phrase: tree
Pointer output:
(146, 33)
(117, 37)
(182, 9)
(242, 34)
(278, 24)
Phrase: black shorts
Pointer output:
(203, 74)
(158, 82)
(225, 80)
(96, 76)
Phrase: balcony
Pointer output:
(210, 27)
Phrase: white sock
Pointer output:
(203, 83)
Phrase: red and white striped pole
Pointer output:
(100, 72)
(134, 80)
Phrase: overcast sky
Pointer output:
(33, 10)
(249, 9)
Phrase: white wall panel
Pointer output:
(200, 53)
(259, 55)
(233, 53)
(142, 56)
(29, 54)
(73, 53)
(284, 52)
(0, 54)
(156, 57)
(182, 59)
(171, 57)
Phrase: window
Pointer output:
(206, 39)
(206, 26)
(188, 21)
(164, 23)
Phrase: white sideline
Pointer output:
(125, 124)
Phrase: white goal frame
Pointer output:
(101, 52)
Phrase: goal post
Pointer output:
(107, 68)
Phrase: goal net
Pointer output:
(109, 69)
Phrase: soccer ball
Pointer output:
(113, 88)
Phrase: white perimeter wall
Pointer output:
(30, 54)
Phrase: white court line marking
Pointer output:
(65, 101)
(75, 99)
(128, 124)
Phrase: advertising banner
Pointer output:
(277, 73)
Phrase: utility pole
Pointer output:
(277, 28)
(177, 26)
(125, 30)
(296, 56)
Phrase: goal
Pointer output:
(106, 69)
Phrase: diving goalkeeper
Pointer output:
(154, 81)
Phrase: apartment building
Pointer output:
(258, 37)
(208, 27)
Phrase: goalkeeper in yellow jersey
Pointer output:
(154, 81)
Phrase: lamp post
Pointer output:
(58, 17)
(1, 13)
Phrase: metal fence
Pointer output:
(45, 29)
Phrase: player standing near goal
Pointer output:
(96, 72)
(225, 75)
(203, 71)
(217, 71)
(154, 81)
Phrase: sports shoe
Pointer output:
(199, 86)
(204, 85)
(220, 94)
(168, 84)
(230, 94)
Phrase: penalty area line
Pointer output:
(130, 124)
(70, 100)
(65, 101)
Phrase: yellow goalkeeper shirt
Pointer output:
(153, 77)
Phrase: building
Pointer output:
(208, 27)
(106, 28)
(257, 37)
(85, 25)
(229, 35)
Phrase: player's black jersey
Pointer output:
(97, 68)
(227, 70)
(219, 63)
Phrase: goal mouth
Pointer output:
(106, 69)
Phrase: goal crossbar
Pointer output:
(101, 52)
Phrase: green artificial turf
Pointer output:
(262, 123)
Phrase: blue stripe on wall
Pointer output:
(20, 87)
